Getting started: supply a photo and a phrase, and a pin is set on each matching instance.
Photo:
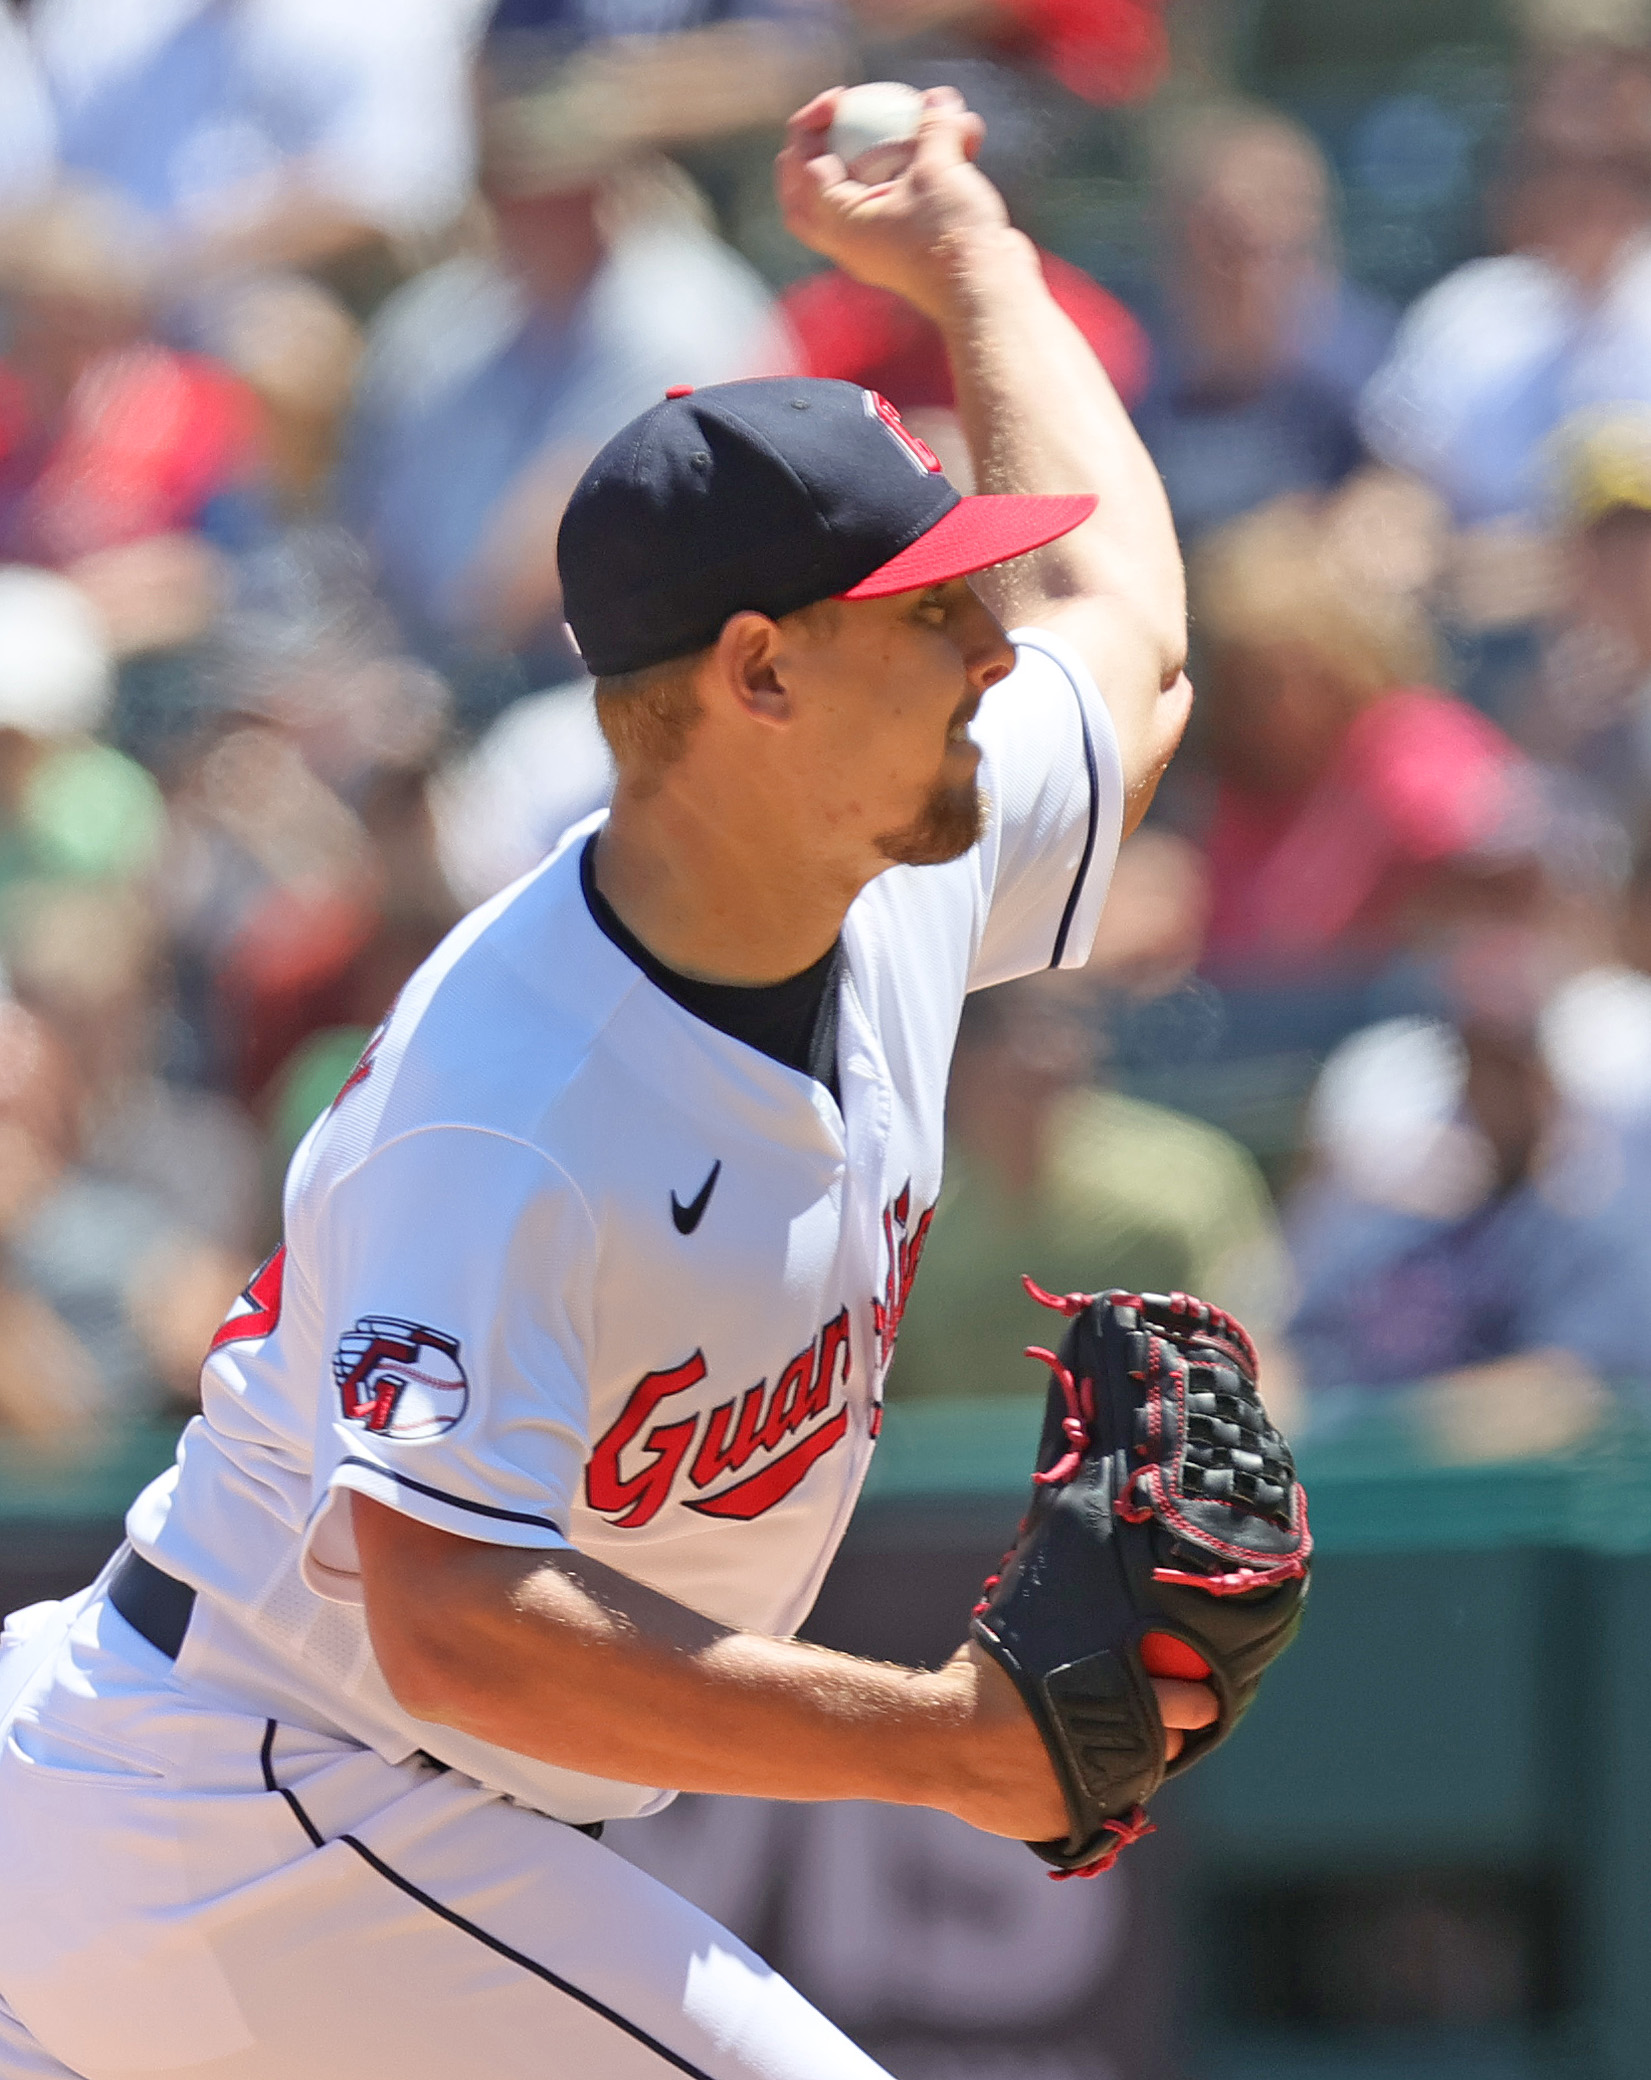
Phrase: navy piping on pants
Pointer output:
(266, 1759)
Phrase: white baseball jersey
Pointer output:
(565, 1264)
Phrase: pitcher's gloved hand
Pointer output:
(1167, 1537)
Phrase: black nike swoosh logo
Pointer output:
(688, 1217)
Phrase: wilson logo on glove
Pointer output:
(1167, 1536)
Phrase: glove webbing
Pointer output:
(1231, 1454)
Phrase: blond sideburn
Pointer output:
(648, 716)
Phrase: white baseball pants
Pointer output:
(189, 1890)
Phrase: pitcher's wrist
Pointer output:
(978, 267)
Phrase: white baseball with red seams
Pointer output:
(874, 131)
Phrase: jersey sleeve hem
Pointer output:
(353, 1473)
(1104, 771)
(329, 1564)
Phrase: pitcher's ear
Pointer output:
(745, 661)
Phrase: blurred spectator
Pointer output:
(1260, 345)
(501, 806)
(28, 134)
(1490, 361)
(1348, 790)
(1103, 50)
(91, 960)
(248, 135)
(107, 437)
(306, 645)
(1080, 1187)
(70, 807)
(1475, 1209)
(1157, 915)
(1589, 699)
(50, 1389)
(106, 1300)
(492, 381)
(300, 882)
(286, 917)
(575, 85)
(299, 352)
(1634, 932)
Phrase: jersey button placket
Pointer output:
(867, 1121)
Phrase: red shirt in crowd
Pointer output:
(146, 440)
(873, 337)
(1105, 50)
(1316, 880)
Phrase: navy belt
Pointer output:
(157, 1606)
(154, 1604)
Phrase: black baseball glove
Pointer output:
(1167, 1536)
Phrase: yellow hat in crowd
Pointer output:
(1604, 459)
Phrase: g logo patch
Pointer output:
(399, 1379)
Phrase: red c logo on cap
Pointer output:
(919, 451)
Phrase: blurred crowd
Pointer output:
(311, 317)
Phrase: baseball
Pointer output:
(875, 129)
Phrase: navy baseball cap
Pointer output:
(768, 495)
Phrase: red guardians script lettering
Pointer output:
(903, 1252)
(784, 1430)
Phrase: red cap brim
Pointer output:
(975, 534)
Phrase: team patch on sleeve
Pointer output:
(399, 1379)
